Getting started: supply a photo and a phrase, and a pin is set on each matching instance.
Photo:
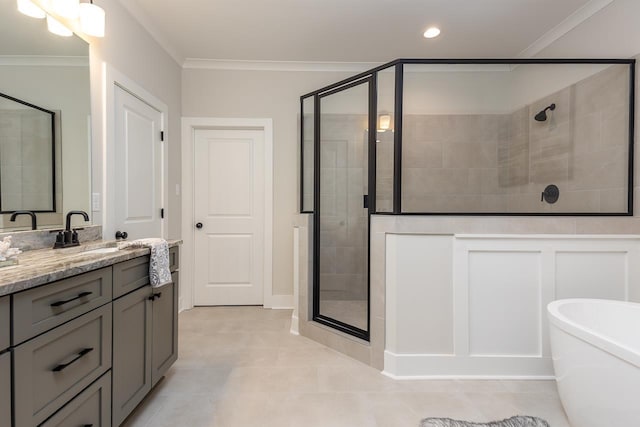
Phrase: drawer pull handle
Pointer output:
(88, 425)
(63, 302)
(155, 296)
(79, 356)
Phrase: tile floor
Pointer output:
(240, 367)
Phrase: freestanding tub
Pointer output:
(595, 346)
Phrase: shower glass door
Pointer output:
(341, 282)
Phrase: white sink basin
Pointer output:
(99, 251)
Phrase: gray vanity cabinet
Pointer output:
(5, 363)
(5, 389)
(5, 322)
(164, 343)
(53, 368)
(131, 351)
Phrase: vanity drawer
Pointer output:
(130, 275)
(40, 309)
(5, 322)
(92, 407)
(174, 258)
(58, 365)
(5, 389)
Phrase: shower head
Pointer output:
(542, 115)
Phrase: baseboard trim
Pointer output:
(469, 377)
(280, 302)
(295, 325)
(451, 366)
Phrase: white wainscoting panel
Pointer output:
(504, 303)
(475, 305)
(422, 271)
(582, 274)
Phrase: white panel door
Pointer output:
(138, 157)
(229, 217)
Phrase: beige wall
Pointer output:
(263, 94)
(129, 49)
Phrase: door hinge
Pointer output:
(365, 201)
(161, 135)
(162, 213)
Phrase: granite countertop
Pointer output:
(43, 266)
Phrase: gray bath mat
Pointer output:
(511, 422)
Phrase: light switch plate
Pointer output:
(95, 202)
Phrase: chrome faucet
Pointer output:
(30, 213)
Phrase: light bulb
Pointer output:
(92, 19)
(66, 8)
(57, 28)
(432, 32)
(28, 8)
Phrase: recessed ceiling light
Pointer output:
(432, 32)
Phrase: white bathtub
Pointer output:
(595, 346)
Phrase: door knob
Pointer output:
(198, 225)
(121, 235)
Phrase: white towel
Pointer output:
(159, 273)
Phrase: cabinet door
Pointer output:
(5, 390)
(164, 346)
(5, 321)
(131, 370)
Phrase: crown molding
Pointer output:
(231, 64)
(158, 35)
(571, 22)
(348, 67)
(44, 61)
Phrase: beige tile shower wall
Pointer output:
(343, 236)
(582, 148)
(25, 157)
(450, 163)
(307, 177)
(503, 162)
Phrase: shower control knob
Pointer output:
(198, 225)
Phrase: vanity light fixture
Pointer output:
(89, 17)
(432, 32)
(92, 19)
(56, 27)
(66, 8)
(27, 7)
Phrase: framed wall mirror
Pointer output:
(45, 122)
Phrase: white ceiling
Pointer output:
(352, 30)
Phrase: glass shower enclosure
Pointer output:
(500, 137)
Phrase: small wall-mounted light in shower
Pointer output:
(384, 122)
(542, 115)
